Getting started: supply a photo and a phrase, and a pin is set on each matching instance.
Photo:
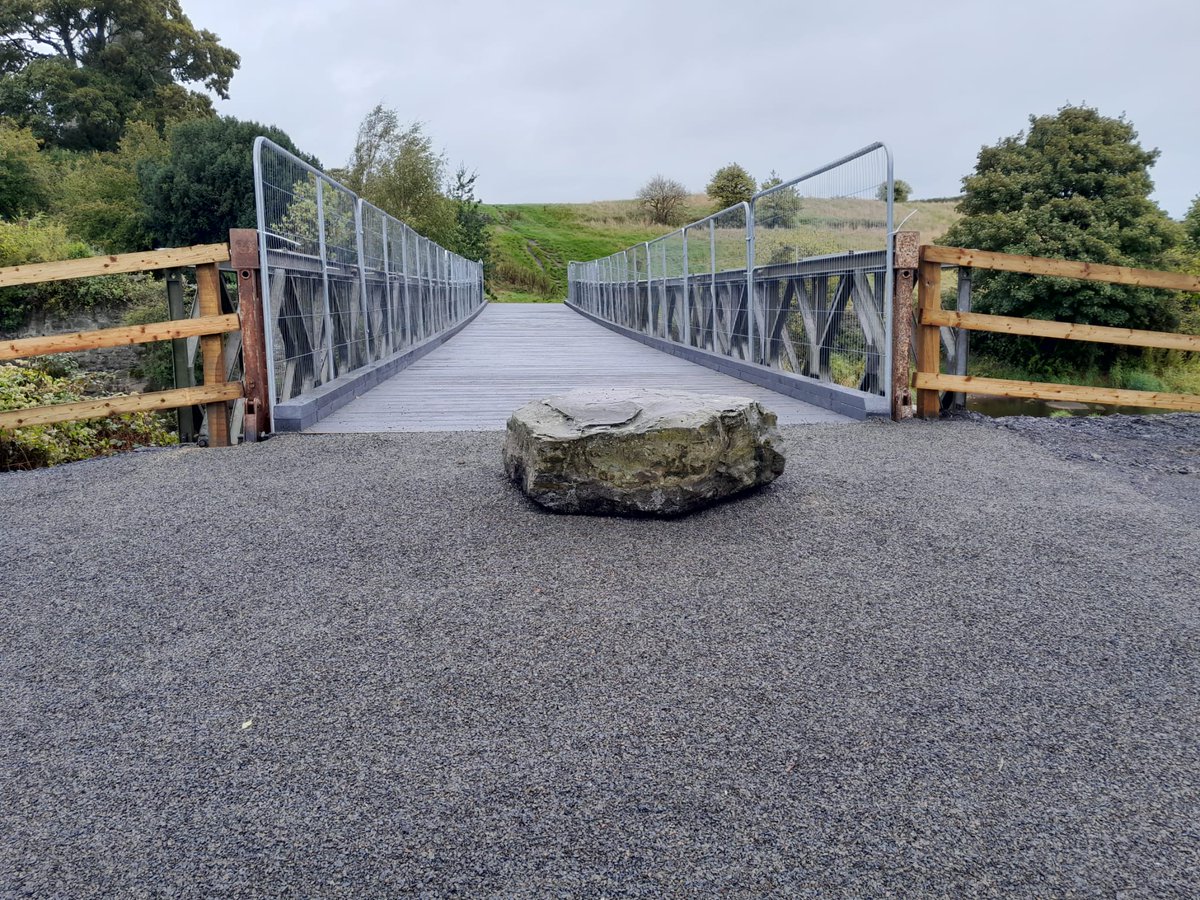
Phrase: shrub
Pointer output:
(1133, 379)
(156, 361)
(28, 384)
(43, 240)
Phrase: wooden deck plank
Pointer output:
(518, 352)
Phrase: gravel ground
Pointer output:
(932, 659)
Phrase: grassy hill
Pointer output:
(532, 243)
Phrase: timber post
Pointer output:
(929, 348)
(243, 256)
(905, 259)
(208, 295)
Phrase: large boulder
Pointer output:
(640, 452)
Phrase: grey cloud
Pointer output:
(580, 101)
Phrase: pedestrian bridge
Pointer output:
(512, 353)
(371, 327)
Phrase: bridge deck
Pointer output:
(517, 352)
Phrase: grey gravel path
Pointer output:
(932, 659)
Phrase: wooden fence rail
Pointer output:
(929, 380)
(209, 327)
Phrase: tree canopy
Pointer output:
(1075, 186)
(76, 74)
(1191, 223)
(204, 185)
(901, 191)
(24, 173)
(472, 240)
(395, 167)
(730, 185)
(663, 199)
(778, 209)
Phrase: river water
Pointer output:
(1013, 406)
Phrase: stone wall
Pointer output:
(115, 360)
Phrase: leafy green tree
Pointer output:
(730, 185)
(204, 185)
(779, 209)
(1076, 186)
(99, 197)
(663, 199)
(25, 176)
(1191, 223)
(396, 168)
(901, 191)
(76, 74)
(474, 238)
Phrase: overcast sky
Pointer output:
(579, 101)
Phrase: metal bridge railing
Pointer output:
(345, 284)
(797, 279)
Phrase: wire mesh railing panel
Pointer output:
(796, 280)
(290, 244)
(381, 324)
(347, 284)
(347, 308)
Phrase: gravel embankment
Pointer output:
(936, 658)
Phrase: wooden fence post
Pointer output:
(243, 255)
(929, 348)
(905, 258)
(208, 295)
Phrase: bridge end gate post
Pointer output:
(244, 257)
(905, 259)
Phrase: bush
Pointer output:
(156, 360)
(1133, 379)
(43, 240)
(25, 176)
(26, 385)
(510, 275)
(1076, 185)
(663, 199)
(901, 191)
(203, 185)
(99, 197)
(729, 186)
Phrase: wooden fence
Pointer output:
(210, 327)
(928, 379)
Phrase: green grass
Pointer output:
(533, 242)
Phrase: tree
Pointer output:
(1191, 223)
(730, 185)
(901, 191)
(778, 209)
(473, 233)
(76, 74)
(99, 196)
(25, 178)
(396, 168)
(204, 185)
(1076, 186)
(663, 199)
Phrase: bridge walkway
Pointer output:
(517, 352)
